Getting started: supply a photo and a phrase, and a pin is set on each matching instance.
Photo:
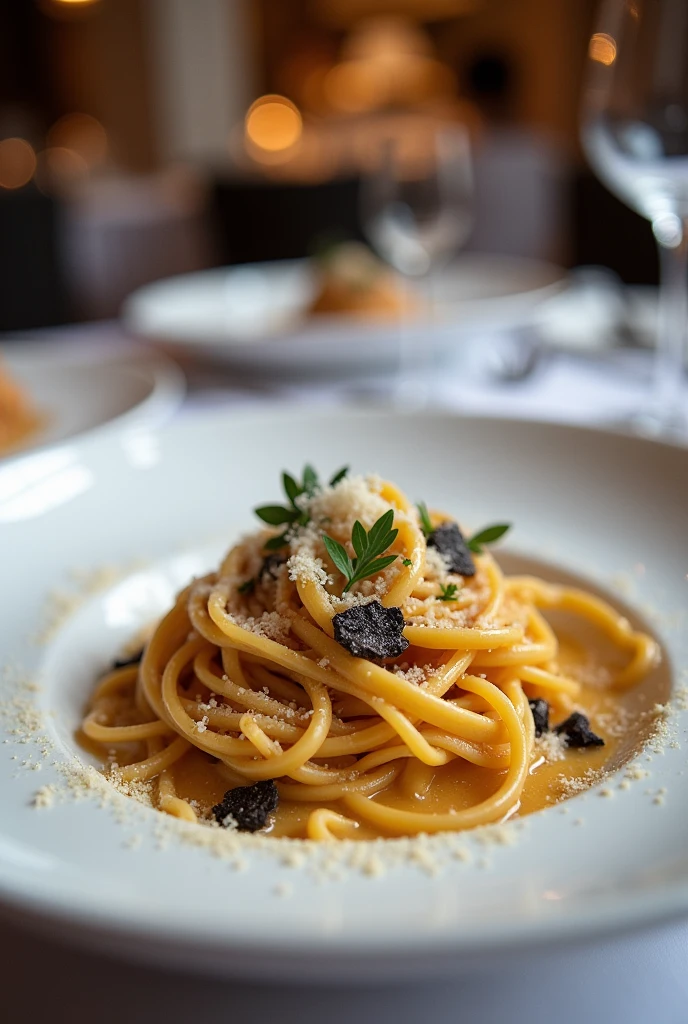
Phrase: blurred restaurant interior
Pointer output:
(145, 138)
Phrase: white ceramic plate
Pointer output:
(78, 386)
(254, 316)
(593, 504)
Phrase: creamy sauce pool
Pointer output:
(624, 719)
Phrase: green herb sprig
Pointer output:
(369, 547)
(477, 542)
(448, 592)
(247, 587)
(488, 535)
(338, 476)
(425, 521)
(292, 514)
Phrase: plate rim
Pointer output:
(231, 348)
(167, 379)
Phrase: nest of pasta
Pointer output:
(256, 676)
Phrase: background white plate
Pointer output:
(595, 504)
(254, 317)
(77, 386)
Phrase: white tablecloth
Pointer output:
(604, 390)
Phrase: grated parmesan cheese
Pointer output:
(551, 746)
(355, 497)
(271, 625)
(415, 674)
(435, 564)
(304, 567)
(45, 796)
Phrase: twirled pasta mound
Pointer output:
(244, 681)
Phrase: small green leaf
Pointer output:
(310, 481)
(382, 543)
(275, 515)
(407, 562)
(380, 531)
(275, 543)
(247, 587)
(448, 592)
(425, 521)
(339, 556)
(359, 539)
(291, 488)
(339, 476)
(368, 547)
(380, 563)
(487, 536)
(371, 569)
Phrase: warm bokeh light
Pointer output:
(68, 10)
(379, 38)
(386, 62)
(82, 134)
(353, 87)
(342, 14)
(602, 48)
(60, 169)
(273, 124)
(17, 163)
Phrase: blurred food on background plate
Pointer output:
(18, 418)
(351, 279)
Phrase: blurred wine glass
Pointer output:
(417, 211)
(635, 134)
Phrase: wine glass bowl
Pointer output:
(416, 207)
(416, 200)
(635, 134)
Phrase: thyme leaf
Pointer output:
(425, 521)
(369, 547)
(487, 536)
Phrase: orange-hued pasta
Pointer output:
(18, 418)
(359, 669)
(351, 280)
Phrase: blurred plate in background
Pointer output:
(76, 387)
(256, 316)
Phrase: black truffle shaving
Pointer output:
(249, 806)
(451, 544)
(578, 733)
(540, 711)
(126, 662)
(271, 565)
(371, 631)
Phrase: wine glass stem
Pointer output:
(667, 385)
(413, 380)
